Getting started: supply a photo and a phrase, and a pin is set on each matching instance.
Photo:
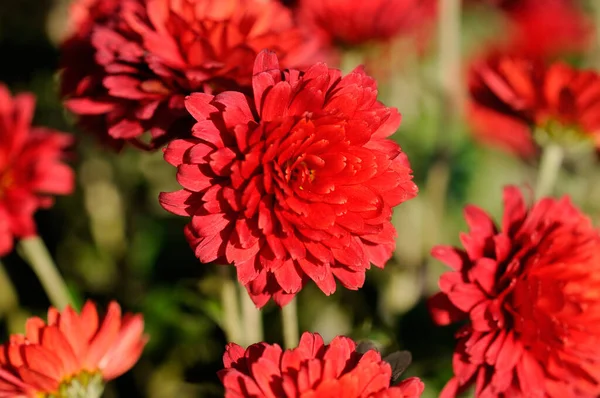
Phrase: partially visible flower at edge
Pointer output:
(311, 370)
(128, 65)
(528, 291)
(514, 97)
(355, 22)
(32, 167)
(295, 184)
(72, 355)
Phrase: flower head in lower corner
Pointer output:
(32, 167)
(528, 291)
(297, 183)
(312, 370)
(72, 355)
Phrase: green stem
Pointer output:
(550, 163)
(231, 310)
(351, 59)
(436, 192)
(450, 109)
(289, 318)
(251, 319)
(34, 251)
(8, 294)
(449, 62)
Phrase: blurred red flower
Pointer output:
(296, 183)
(549, 28)
(505, 95)
(31, 167)
(312, 370)
(354, 22)
(513, 95)
(73, 355)
(129, 65)
(529, 292)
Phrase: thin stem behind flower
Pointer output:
(550, 163)
(450, 110)
(251, 319)
(289, 318)
(231, 310)
(34, 251)
(449, 61)
(351, 59)
(8, 294)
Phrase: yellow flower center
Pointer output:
(568, 136)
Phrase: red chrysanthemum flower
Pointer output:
(354, 22)
(511, 96)
(129, 64)
(31, 167)
(71, 356)
(297, 183)
(529, 292)
(312, 370)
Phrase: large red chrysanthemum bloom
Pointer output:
(297, 183)
(529, 293)
(129, 64)
(72, 355)
(354, 22)
(511, 96)
(312, 370)
(31, 167)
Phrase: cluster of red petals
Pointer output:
(297, 183)
(529, 293)
(31, 167)
(129, 64)
(353, 22)
(312, 370)
(68, 345)
(511, 95)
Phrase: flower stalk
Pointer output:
(450, 109)
(550, 163)
(449, 61)
(34, 251)
(231, 309)
(8, 294)
(251, 319)
(289, 318)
